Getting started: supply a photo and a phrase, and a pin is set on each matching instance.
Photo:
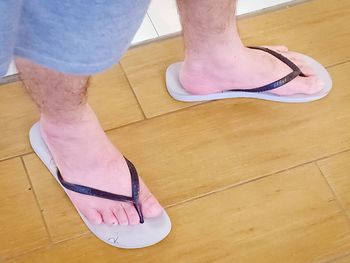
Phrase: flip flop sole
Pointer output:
(176, 90)
(152, 231)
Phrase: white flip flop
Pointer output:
(150, 232)
(176, 90)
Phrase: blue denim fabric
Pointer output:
(71, 36)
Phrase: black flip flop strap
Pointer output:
(278, 83)
(135, 185)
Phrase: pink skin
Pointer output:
(80, 147)
(216, 60)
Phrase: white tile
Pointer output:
(164, 16)
(145, 32)
(247, 6)
(12, 70)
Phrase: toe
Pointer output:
(150, 206)
(306, 85)
(131, 213)
(306, 70)
(299, 60)
(120, 214)
(313, 85)
(93, 216)
(108, 217)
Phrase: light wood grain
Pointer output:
(109, 95)
(206, 163)
(314, 28)
(17, 114)
(145, 68)
(287, 217)
(62, 220)
(113, 100)
(210, 146)
(337, 171)
(21, 225)
(345, 259)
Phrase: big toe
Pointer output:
(150, 206)
(301, 85)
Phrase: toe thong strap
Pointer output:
(278, 83)
(135, 185)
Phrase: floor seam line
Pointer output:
(238, 184)
(337, 64)
(132, 90)
(226, 187)
(154, 27)
(333, 192)
(244, 182)
(37, 200)
(336, 258)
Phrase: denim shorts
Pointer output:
(70, 36)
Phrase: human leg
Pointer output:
(216, 59)
(55, 58)
(80, 147)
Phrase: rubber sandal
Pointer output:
(149, 232)
(176, 90)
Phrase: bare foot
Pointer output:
(245, 69)
(85, 156)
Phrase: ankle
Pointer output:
(58, 117)
(79, 121)
(212, 72)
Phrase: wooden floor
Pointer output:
(242, 180)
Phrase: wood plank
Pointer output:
(345, 259)
(308, 28)
(287, 217)
(22, 228)
(210, 146)
(112, 98)
(109, 94)
(336, 170)
(145, 67)
(315, 28)
(17, 114)
(62, 220)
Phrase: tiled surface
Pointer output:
(17, 114)
(146, 65)
(22, 228)
(345, 259)
(322, 34)
(212, 146)
(336, 169)
(59, 213)
(12, 69)
(287, 217)
(243, 180)
(145, 32)
(216, 144)
(110, 96)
